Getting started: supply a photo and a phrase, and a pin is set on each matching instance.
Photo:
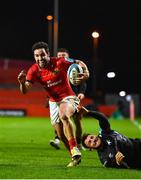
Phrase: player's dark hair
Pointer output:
(39, 45)
(83, 139)
(63, 50)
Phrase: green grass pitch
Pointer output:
(25, 152)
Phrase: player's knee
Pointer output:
(64, 117)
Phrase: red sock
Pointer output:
(72, 143)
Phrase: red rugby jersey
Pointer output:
(53, 78)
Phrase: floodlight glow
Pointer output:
(122, 93)
(111, 74)
(128, 98)
(49, 17)
(95, 34)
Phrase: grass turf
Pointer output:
(25, 152)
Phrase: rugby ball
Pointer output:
(73, 72)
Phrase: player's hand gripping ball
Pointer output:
(74, 73)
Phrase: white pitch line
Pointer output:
(137, 124)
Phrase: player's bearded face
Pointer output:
(42, 57)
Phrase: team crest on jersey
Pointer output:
(56, 71)
(109, 142)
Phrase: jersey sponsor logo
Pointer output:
(50, 84)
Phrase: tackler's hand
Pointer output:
(119, 158)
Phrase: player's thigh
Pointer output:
(66, 110)
(69, 105)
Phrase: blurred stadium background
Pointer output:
(13, 103)
(102, 55)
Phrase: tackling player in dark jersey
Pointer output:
(114, 149)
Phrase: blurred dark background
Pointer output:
(118, 49)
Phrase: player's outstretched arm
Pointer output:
(24, 85)
(103, 120)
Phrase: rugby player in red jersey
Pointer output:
(80, 92)
(51, 73)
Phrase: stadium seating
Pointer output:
(32, 103)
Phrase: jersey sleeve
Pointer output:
(31, 75)
(103, 121)
(82, 88)
(79, 89)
